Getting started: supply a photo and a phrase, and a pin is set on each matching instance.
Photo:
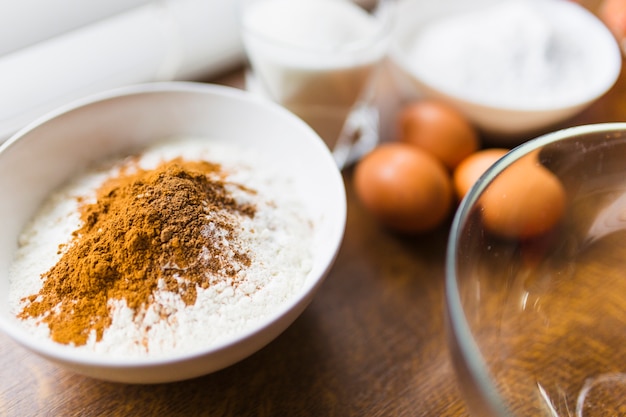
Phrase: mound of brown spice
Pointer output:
(171, 228)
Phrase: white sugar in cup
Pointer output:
(319, 59)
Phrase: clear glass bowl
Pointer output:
(537, 324)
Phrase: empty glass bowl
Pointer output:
(536, 279)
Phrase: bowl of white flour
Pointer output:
(512, 67)
(163, 231)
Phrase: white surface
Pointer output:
(161, 41)
(44, 155)
(507, 120)
(26, 22)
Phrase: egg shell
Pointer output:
(613, 14)
(404, 187)
(471, 168)
(524, 201)
(438, 129)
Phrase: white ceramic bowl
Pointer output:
(506, 122)
(48, 152)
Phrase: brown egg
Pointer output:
(406, 188)
(524, 201)
(613, 14)
(438, 129)
(472, 167)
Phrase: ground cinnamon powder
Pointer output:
(172, 228)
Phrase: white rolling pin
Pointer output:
(26, 22)
(164, 40)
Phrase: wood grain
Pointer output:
(372, 343)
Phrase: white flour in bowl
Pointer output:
(277, 240)
(520, 53)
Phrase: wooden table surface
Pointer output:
(372, 342)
